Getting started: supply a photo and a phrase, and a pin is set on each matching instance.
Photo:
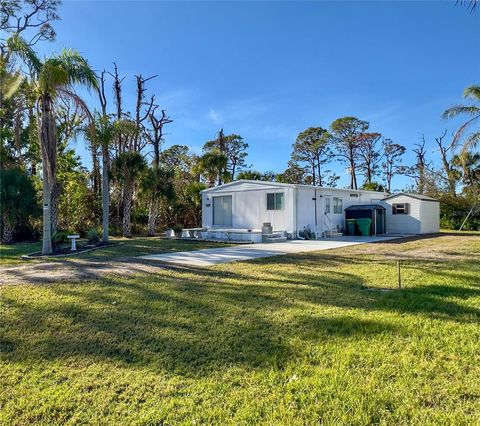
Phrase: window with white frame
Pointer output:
(275, 201)
(400, 208)
(222, 210)
(337, 205)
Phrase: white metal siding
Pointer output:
(306, 207)
(249, 207)
(430, 217)
(403, 223)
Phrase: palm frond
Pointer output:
(101, 130)
(77, 100)
(52, 76)
(463, 128)
(472, 92)
(471, 142)
(460, 110)
(78, 68)
(19, 47)
(125, 127)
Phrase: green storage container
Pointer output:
(364, 226)
(351, 226)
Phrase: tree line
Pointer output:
(135, 184)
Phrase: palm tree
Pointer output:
(468, 163)
(127, 168)
(471, 111)
(157, 184)
(101, 133)
(52, 79)
(211, 165)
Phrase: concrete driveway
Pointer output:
(215, 256)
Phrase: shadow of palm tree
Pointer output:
(193, 321)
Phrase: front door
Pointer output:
(327, 209)
(222, 210)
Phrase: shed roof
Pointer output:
(416, 196)
(365, 207)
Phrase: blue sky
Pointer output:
(268, 70)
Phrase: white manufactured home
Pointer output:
(240, 209)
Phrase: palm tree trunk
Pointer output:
(95, 172)
(105, 194)
(152, 217)
(127, 209)
(7, 232)
(48, 142)
(54, 202)
(47, 218)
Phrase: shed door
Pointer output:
(222, 210)
(380, 221)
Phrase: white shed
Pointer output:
(412, 214)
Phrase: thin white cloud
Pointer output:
(214, 115)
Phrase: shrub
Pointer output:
(93, 236)
(177, 228)
(59, 237)
(17, 201)
(454, 210)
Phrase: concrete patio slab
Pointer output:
(215, 256)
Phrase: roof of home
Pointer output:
(285, 185)
(416, 196)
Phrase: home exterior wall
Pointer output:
(249, 206)
(326, 221)
(429, 217)
(337, 220)
(307, 197)
(403, 223)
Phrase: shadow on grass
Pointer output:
(193, 321)
(176, 324)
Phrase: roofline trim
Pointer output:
(288, 185)
(415, 196)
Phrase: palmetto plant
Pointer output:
(127, 168)
(157, 184)
(470, 130)
(52, 78)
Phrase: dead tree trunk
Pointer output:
(421, 165)
(447, 168)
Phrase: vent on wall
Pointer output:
(354, 195)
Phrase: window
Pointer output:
(337, 205)
(222, 210)
(401, 208)
(327, 204)
(275, 201)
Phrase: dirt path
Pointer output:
(72, 270)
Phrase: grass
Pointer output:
(137, 246)
(300, 339)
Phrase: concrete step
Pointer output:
(274, 238)
(332, 234)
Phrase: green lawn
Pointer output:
(137, 246)
(289, 340)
